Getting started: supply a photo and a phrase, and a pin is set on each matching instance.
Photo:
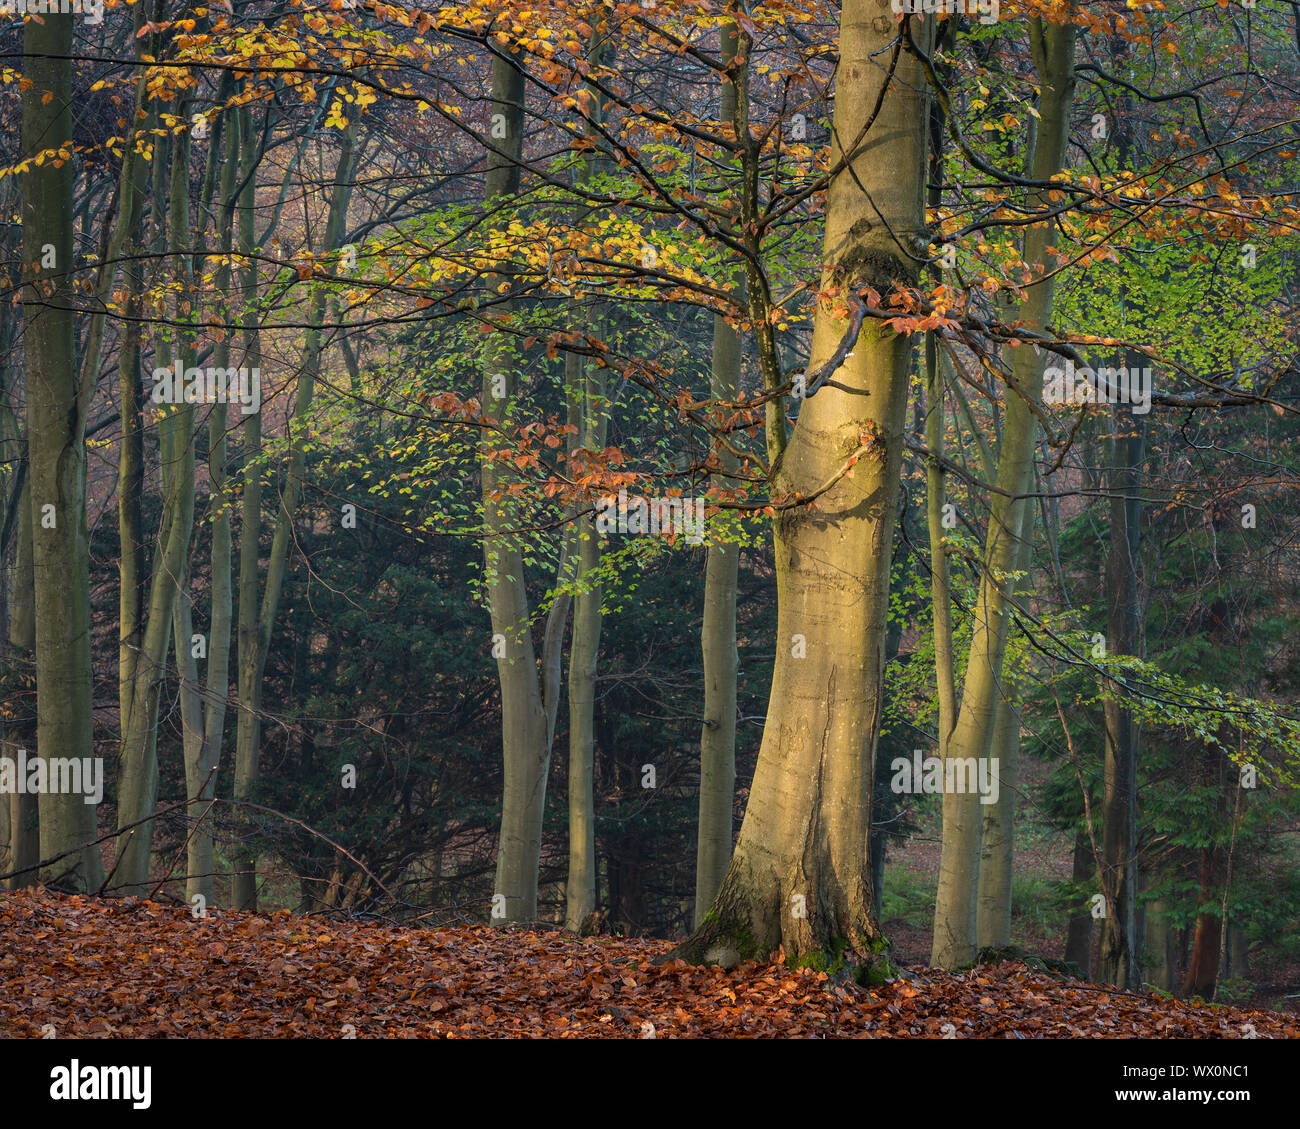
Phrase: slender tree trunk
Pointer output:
(138, 785)
(56, 423)
(998, 837)
(800, 877)
(935, 499)
(525, 753)
(718, 647)
(997, 844)
(15, 838)
(243, 883)
(718, 628)
(971, 740)
(24, 820)
(587, 395)
(130, 495)
(1118, 957)
(203, 714)
(557, 617)
(580, 890)
(956, 901)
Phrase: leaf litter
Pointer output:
(131, 968)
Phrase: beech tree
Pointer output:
(800, 878)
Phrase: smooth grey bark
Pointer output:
(587, 395)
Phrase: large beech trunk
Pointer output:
(799, 882)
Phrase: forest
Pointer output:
(711, 504)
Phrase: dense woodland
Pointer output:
(796, 480)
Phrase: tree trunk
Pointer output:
(57, 403)
(1203, 965)
(956, 900)
(130, 466)
(203, 708)
(580, 889)
(799, 882)
(12, 480)
(998, 835)
(718, 627)
(557, 618)
(1118, 957)
(525, 753)
(24, 820)
(586, 393)
(138, 784)
(243, 883)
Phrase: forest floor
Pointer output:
(80, 967)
